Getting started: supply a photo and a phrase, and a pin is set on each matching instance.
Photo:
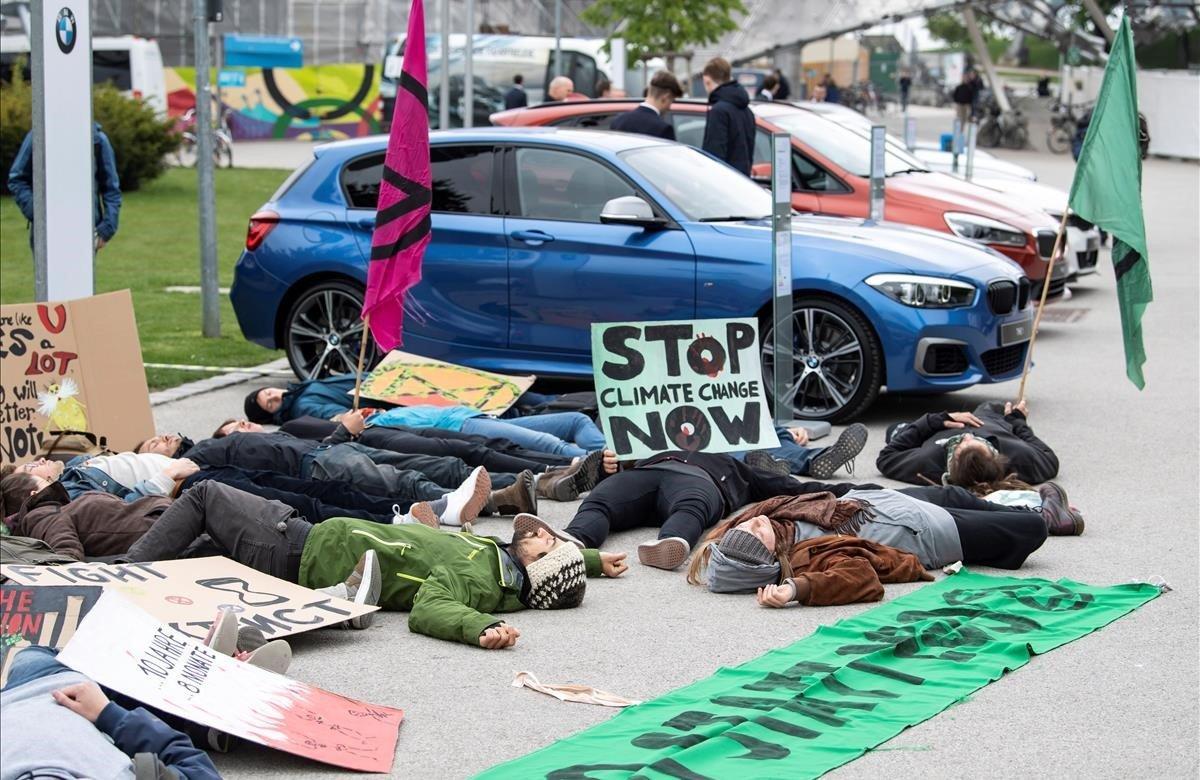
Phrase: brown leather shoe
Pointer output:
(518, 497)
(1061, 518)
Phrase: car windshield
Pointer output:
(702, 188)
(846, 147)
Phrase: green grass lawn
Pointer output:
(158, 246)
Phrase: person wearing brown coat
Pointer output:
(94, 525)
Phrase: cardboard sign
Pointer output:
(691, 385)
(75, 365)
(123, 648)
(411, 380)
(186, 594)
(33, 616)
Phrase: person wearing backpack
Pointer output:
(106, 194)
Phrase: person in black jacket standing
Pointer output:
(971, 449)
(516, 97)
(684, 494)
(647, 118)
(729, 131)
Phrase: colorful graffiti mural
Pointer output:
(316, 103)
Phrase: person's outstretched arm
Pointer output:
(1036, 463)
(902, 459)
(440, 610)
(137, 731)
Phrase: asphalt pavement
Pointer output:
(1121, 702)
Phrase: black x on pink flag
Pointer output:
(402, 225)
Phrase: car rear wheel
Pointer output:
(837, 363)
(324, 333)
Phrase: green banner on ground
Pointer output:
(805, 709)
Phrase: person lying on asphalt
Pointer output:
(984, 450)
(450, 583)
(96, 524)
(562, 433)
(819, 549)
(59, 723)
(680, 493)
(247, 446)
(127, 475)
(794, 456)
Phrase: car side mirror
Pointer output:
(630, 210)
(761, 173)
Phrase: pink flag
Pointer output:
(402, 226)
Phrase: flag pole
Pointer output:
(1037, 320)
(362, 356)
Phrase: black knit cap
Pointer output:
(254, 412)
(745, 547)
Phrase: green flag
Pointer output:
(1107, 191)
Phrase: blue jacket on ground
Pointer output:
(321, 398)
(106, 193)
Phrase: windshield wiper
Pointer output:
(909, 170)
(734, 218)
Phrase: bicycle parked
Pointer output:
(186, 155)
(1010, 129)
(1064, 123)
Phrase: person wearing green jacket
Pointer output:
(452, 584)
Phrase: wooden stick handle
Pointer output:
(362, 356)
(1037, 320)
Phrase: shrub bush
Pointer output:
(140, 139)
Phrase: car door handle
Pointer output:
(533, 237)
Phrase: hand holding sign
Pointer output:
(688, 386)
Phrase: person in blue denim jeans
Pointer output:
(58, 723)
(572, 434)
(794, 457)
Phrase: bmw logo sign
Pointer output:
(64, 30)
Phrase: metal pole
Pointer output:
(878, 170)
(956, 144)
(469, 69)
(783, 370)
(1098, 17)
(444, 86)
(37, 64)
(972, 130)
(985, 57)
(210, 306)
(558, 38)
(910, 131)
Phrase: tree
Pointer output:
(657, 28)
(948, 26)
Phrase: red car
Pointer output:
(830, 175)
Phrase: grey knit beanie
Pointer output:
(745, 547)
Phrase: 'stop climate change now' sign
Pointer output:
(692, 385)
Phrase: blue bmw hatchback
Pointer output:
(539, 232)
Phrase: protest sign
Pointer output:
(39, 616)
(186, 594)
(411, 380)
(692, 385)
(124, 648)
(799, 711)
(74, 365)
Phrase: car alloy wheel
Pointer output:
(324, 332)
(835, 361)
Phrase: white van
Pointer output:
(133, 65)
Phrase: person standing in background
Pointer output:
(647, 118)
(730, 127)
(516, 97)
(106, 193)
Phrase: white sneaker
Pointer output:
(468, 499)
(362, 586)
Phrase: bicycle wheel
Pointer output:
(1058, 139)
(1016, 137)
(186, 154)
(988, 134)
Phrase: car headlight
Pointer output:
(984, 230)
(924, 292)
